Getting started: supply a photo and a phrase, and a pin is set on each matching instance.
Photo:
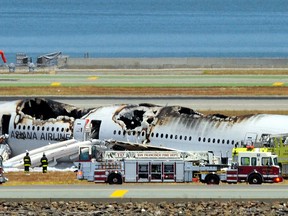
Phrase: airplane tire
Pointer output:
(212, 179)
(255, 179)
(115, 178)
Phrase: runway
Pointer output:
(193, 102)
(137, 192)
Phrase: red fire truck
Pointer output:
(252, 167)
(116, 167)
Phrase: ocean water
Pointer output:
(145, 28)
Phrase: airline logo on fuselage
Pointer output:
(39, 136)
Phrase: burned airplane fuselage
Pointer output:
(176, 127)
(37, 122)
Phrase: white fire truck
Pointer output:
(116, 167)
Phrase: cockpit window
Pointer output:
(84, 154)
(245, 161)
(266, 161)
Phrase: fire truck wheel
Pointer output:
(115, 178)
(255, 179)
(212, 179)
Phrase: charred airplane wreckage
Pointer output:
(41, 125)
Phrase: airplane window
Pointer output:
(114, 132)
(67, 129)
(19, 127)
(213, 140)
(62, 129)
(129, 133)
(52, 128)
(190, 138)
(185, 137)
(161, 135)
(227, 142)
(204, 139)
(124, 132)
(232, 142)
(157, 134)
(218, 141)
(209, 140)
(47, 128)
(199, 139)
(176, 136)
(171, 136)
(38, 128)
(33, 128)
(166, 136)
(223, 141)
(143, 133)
(24, 127)
(180, 137)
(43, 128)
(134, 133)
(152, 134)
(28, 128)
(119, 132)
(57, 129)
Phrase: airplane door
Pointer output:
(95, 129)
(5, 124)
(250, 138)
(79, 132)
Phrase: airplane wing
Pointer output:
(53, 152)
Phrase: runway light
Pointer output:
(93, 78)
(55, 84)
(276, 84)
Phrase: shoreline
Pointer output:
(200, 63)
(166, 63)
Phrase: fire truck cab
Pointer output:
(274, 143)
(254, 168)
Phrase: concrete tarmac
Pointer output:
(137, 192)
(193, 102)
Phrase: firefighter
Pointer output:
(44, 163)
(27, 162)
